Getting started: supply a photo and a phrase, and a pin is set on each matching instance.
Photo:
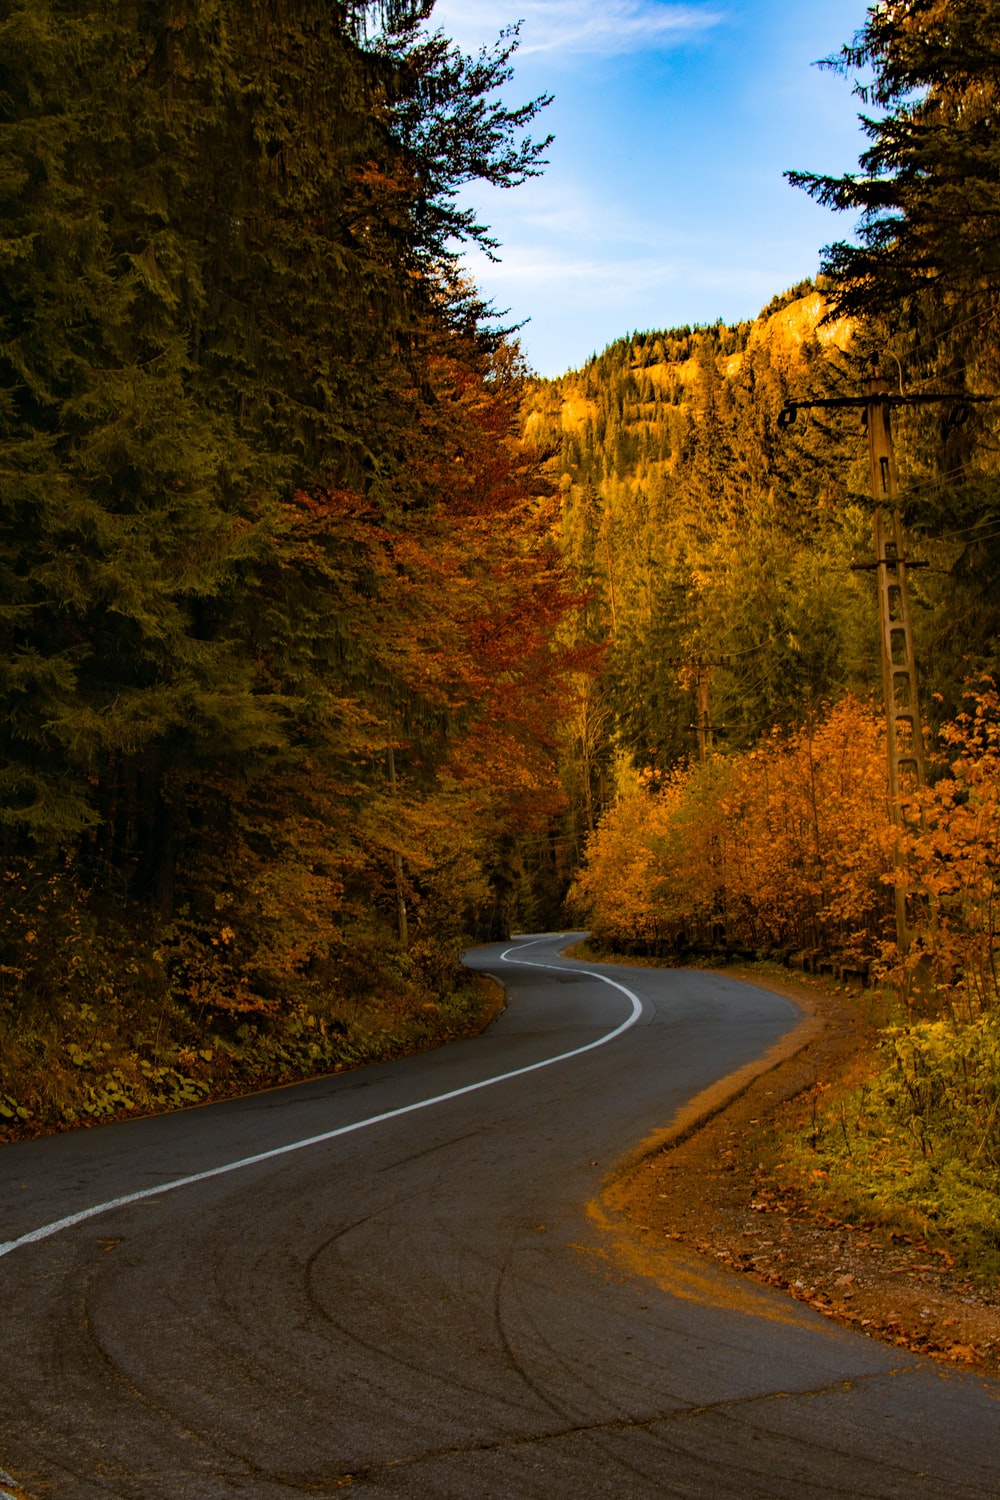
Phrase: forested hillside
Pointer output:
(715, 543)
(277, 686)
(727, 559)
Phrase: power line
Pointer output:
(948, 535)
(930, 482)
(937, 339)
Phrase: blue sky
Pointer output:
(664, 201)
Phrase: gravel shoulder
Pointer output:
(707, 1183)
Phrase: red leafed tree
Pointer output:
(420, 624)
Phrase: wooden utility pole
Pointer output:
(702, 712)
(606, 529)
(701, 667)
(904, 730)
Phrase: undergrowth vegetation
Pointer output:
(917, 1145)
(99, 1018)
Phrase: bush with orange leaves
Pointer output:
(785, 846)
(918, 1144)
(955, 859)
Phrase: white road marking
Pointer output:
(45, 1231)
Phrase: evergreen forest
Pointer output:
(278, 687)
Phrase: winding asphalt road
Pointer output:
(385, 1282)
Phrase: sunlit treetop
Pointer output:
(928, 191)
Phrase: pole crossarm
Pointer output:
(790, 410)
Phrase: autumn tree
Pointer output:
(265, 519)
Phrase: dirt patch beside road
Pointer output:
(714, 1190)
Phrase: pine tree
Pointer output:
(224, 267)
(929, 189)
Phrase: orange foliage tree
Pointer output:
(422, 624)
(788, 845)
(955, 859)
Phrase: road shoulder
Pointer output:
(710, 1183)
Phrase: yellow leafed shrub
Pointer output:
(956, 860)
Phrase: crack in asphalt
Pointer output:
(470, 1135)
(366, 1471)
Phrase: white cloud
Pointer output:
(574, 26)
(563, 211)
(533, 276)
(576, 304)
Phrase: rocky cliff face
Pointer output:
(626, 416)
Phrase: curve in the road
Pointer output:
(46, 1231)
